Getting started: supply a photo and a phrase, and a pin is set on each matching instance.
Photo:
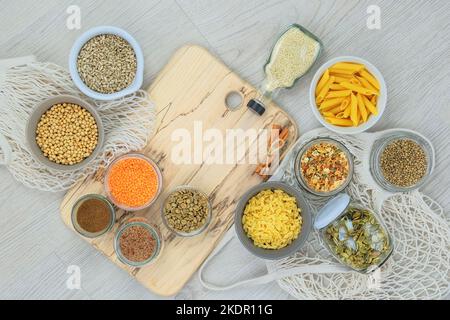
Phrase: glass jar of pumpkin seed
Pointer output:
(293, 55)
(354, 235)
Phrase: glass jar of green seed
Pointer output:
(354, 235)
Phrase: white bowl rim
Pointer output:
(381, 104)
(89, 34)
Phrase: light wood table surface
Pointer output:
(411, 50)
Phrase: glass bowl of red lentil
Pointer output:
(133, 182)
(402, 160)
(93, 215)
(323, 167)
(203, 207)
(137, 242)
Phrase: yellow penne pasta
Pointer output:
(335, 110)
(366, 84)
(355, 81)
(341, 76)
(339, 122)
(359, 89)
(370, 106)
(321, 96)
(354, 109)
(366, 74)
(355, 67)
(362, 107)
(347, 111)
(327, 114)
(339, 93)
(340, 79)
(323, 81)
(347, 94)
(345, 103)
(374, 100)
(335, 86)
(333, 69)
(330, 103)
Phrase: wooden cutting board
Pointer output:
(192, 88)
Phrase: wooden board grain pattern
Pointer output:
(191, 91)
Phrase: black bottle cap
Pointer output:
(256, 106)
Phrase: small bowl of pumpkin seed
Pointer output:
(106, 63)
(186, 211)
(64, 133)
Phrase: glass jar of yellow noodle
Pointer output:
(293, 55)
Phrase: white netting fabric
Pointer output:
(420, 265)
(127, 122)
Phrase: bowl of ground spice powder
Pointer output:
(106, 63)
(402, 160)
(133, 182)
(137, 242)
(93, 215)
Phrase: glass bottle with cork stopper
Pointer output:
(293, 55)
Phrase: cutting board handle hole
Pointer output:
(234, 100)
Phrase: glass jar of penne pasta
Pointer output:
(292, 57)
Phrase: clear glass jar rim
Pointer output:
(154, 233)
(195, 232)
(299, 176)
(127, 156)
(382, 142)
(79, 201)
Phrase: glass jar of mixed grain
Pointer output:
(323, 166)
(138, 242)
(401, 160)
(354, 235)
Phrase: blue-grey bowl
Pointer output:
(292, 248)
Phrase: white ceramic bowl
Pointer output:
(381, 103)
(85, 37)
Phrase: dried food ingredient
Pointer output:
(137, 244)
(67, 133)
(133, 182)
(272, 219)
(358, 239)
(107, 63)
(294, 53)
(93, 215)
(186, 210)
(403, 163)
(324, 167)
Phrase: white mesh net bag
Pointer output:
(24, 83)
(418, 269)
